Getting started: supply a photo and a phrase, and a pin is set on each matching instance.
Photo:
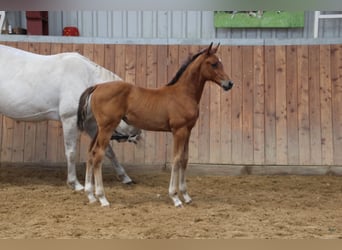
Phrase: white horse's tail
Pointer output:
(83, 107)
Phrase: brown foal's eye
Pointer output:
(214, 65)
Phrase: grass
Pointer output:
(269, 19)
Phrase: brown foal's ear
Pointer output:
(216, 48)
(209, 48)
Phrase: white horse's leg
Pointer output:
(70, 137)
(120, 171)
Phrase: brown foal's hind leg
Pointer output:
(89, 178)
(98, 152)
(89, 183)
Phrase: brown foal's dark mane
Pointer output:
(181, 70)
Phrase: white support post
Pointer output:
(318, 16)
(2, 19)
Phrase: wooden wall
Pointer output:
(285, 107)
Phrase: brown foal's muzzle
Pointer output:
(227, 85)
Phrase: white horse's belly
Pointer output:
(25, 104)
(33, 116)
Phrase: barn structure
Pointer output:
(284, 114)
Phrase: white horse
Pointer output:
(37, 87)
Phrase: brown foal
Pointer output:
(173, 107)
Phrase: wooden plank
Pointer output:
(99, 54)
(173, 66)
(292, 105)
(11, 44)
(120, 71)
(326, 106)
(109, 63)
(45, 49)
(161, 139)
(303, 105)
(130, 66)
(66, 47)
(151, 79)
(214, 122)
(336, 81)
(140, 72)
(88, 51)
(7, 139)
(55, 130)
(226, 109)
(200, 134)
(84, 140)
(42, 127)
(281, 120)
(203, 128)
(19, 129)
(183, 52)
(248, 102)
(314, 106)
(259, 105)
(104, 55)
(1, 135)
(52, 141)
(31, 127)
(270, 104)
(237, 136)
(77, 47)
(8, 129)
(109, 57)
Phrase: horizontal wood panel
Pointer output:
(284, 109)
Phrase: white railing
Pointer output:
(2, 19)
(318, 16)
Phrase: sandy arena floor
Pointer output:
(36, 203)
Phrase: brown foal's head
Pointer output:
(212, 68)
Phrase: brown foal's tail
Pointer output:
(83, 106)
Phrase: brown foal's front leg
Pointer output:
(182, 176)
(180, 145)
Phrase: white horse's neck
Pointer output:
(102, 74)
(106, 74)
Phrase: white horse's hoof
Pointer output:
(76, 186)
(79, 187)
(176, 201)
(187, 198)
(126, 180)
(179, 205)
(104, 202)
(91, 199)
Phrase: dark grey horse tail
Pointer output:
(83, 107)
